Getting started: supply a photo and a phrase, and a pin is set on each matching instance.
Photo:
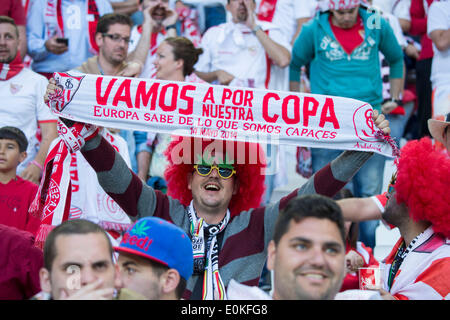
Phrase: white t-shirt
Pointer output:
(22, 106)
(89, 200)
(395, 25)
(149, 69)
(399, 8)
(287, 12)
(233, 47)
(439, 19)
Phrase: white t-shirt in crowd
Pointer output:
(399, 8)
(439, 19)
(287, 12)
(23, 107)
(233, 47)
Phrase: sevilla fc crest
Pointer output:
(364, 126)
(68, 86)
(14, 88)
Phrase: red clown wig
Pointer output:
(248, 159)
(423, 184)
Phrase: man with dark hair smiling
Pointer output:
(306, 254)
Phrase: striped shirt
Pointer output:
(243, 243)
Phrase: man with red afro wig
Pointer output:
(248, 160)
(418, 266)
(214, 191)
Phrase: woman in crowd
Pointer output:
(175, 60)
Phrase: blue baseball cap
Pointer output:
(160, 241)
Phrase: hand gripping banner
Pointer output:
(220, 112)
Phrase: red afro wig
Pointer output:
(423, 184)
(248, 160)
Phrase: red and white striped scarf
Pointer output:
(267, 10)
(423, 274)
(52, 201)
(9, 70)
(189, 24)
(54, 22)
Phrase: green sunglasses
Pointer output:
(205, 170)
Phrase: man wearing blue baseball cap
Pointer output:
(155, 259)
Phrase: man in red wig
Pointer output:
(418, 266)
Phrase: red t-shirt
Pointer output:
(20, 262)
(351, 38)
(15, 199)
(14, 9)
(419, 26)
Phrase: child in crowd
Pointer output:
(16, 194)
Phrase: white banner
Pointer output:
(219, 112)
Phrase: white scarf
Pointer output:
(254, 115)
(89, 200)
(213, 287)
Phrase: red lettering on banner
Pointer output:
(113, 113)
(284, 109)
(306, 111)
(248, 98)
(162, 97)
(190, 101)
(74, 173)
(144, 96)
(187, 121)
(123, 94)
(265, 107)
(158, 118)
(226, 94)
(292, 103)
(209, 95)
(328, 108)
(257, 127)
(226, 112)
(311, 133)
(237, 97)
(102, 100)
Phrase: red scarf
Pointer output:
(52, 201)
(9, 70)
(267, 10)
(189, 25)
(55, 24)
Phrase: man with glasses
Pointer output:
(112, 37)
